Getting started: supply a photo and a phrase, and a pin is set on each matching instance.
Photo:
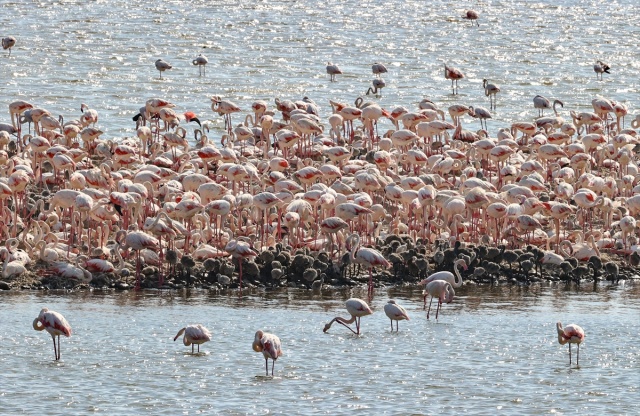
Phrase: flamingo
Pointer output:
(571, 334)
(599, 68)
(454, 75)
(201, 61)
(455, 281)
(472, 16)
(55, 324)
(368, 257)
(162, 66)
(490, 90)
(357, 308)
(270, 347)
(139, 240)
(240, 250)
(443, 290)
(333, 70)
(378, 69)
(194, 335)
(395, 312)
(8, 43)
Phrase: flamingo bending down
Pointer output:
(194, 335)
(357, 308)
(270, 347)
(571, 334)
(55, 324)
(443, 290)
(395, 312)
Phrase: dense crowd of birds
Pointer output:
(287, 198)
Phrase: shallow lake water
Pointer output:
(493, 350)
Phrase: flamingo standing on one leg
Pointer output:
(357, 308)
(571, 334)
(194, 335)
(270, 347)
(55, 324)
(395, 312)
(443, 290)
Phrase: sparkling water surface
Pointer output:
(494, 350)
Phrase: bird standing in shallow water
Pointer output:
(395, 312)
(490, 90)
(378, 69)
(571, 334)
(194, 335)
(454, 75)
(599, 68)
(201, 61)
(333, 70)
(162, 66)
(270, 347)
(357, 308)
(472, 16)
(8, 42)
(55, 324)
(443, 290)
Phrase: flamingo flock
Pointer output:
(278, 200)
(270, 345)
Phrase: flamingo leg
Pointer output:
(55, 351)
(430, 307)
(347, 326)
(273, 363)
(266, 366)
(358, 325)
(240, 277)
(578, 355)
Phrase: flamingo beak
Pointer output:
(197, 121)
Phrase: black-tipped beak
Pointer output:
(197, 121)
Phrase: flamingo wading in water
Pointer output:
(55, 324)
(571, 334)
(443, 290)
(194, 335)
(270, 347)
(357, 308)
(395, 312)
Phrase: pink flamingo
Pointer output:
(240, 250)
(367, 257)
(139, 240)
(55, 324)
(357, 308)
(395, 312)
(194, 335)
(270, 347)
(454, 75)
(443, 290)
(571, 334)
